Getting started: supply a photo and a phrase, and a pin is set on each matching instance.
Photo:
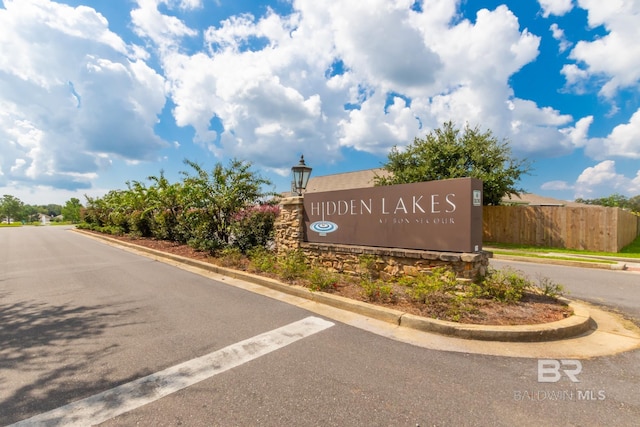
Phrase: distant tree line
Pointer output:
(12, 209)
(209, 211)
(615, 201)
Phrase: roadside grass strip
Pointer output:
(127, 397)
(553, 257)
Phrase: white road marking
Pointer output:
(111, 403)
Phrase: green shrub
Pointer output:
(164, 226)
(376, 290)
(292, 265)
(549, 288)
(506, 285)
(110, 229)
(140, 223)
(119, 220)
(254, 226)
(322, 280)
(443, 292)
(439, 280)
(368, 269)
(210, 246)
(262, 260)
(232, 257)
(93, 214)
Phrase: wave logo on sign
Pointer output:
(323, 227)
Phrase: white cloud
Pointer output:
(190, 4)
(576, 78)
(490, 50)
(330, 75)
(44, 195)
(536, 129)
(166, 31)
(71, 93)
(374, 130)
(577, 135)
(362, 39)
(623, 141)
(558, 34)
(556, 186)
(603, 180)
(276, 83)
(555, 7)
(614, 57)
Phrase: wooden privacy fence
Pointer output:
(592, 228)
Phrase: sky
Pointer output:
(95, 93)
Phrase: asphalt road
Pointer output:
(619, 290)
(79, 318)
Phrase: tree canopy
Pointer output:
(11, 208)
(448, 152)
(71, 210)
(615, 201)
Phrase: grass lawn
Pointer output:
(630, 251)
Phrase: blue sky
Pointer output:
(96, 93)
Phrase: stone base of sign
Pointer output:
(392, 262)
(289, 226)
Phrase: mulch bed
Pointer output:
(532, 309)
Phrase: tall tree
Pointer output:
(71, 210)
(449, 152)
(30, 213)
(11, 208)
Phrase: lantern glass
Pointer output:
(301, 173)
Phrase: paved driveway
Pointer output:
(106, 332)
(619, 290)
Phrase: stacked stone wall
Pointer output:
(394, 263)
(289, 231)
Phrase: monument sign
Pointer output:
(435, 215)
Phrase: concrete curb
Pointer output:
(576, 325)
(570, 263)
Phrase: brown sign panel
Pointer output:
(436, 215)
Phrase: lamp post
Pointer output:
(301, 173)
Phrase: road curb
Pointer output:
(576, 325)
(569, 263)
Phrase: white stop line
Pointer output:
(111, 403)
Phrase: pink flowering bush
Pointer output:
(254, 226)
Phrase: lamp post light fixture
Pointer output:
(301, 173)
